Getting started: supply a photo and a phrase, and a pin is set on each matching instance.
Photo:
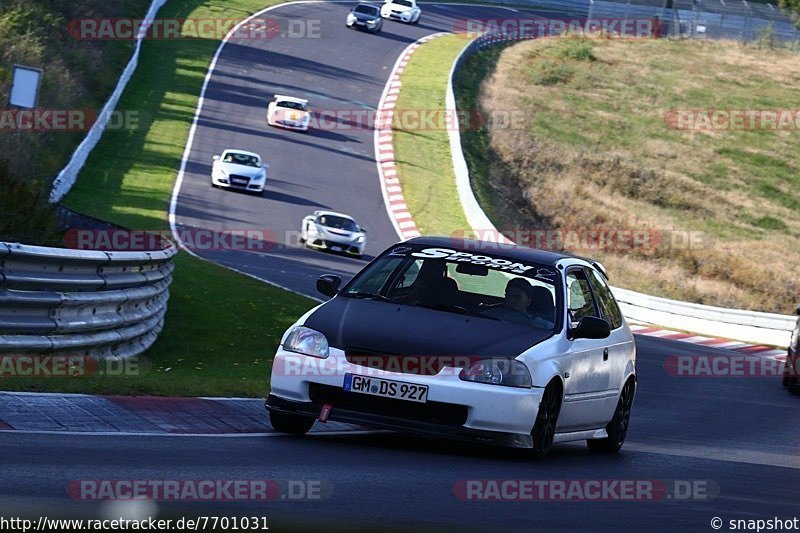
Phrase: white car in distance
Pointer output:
(403, 10)
(333, 231)
(288, 112)
(239, 169)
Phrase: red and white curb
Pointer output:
(758, 350)
(393, 197)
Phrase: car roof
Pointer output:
(289, 99)
(367, 4)
(244, 152)
(333, 213)
(510, 251)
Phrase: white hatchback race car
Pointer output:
(403, 10)
(288, 112)
(523, 348)
(332, 231)
(239, 169)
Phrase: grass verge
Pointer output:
(221, 327)
(421, 147)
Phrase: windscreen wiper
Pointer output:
(372, 296)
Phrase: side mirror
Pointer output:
(328, 284)
(215, 158)
(364, 230)
(797, 311)
(265, 166)
(591, 327)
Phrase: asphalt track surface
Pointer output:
(340, 71)
(735, 435)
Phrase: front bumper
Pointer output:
(402, 17)
(311, 409)
(291, 124)
(455, 409)
(240, 184)
(362, 24)
(326, 243)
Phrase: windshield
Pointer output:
(331, 221)
(403, 3)
(292, 105)
(241, 159)
(476, 284)
(366, 10)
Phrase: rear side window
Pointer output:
(609, 310)
(581, 301)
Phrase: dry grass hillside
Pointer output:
(593, 150)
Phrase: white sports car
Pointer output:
(403, 10)
(288, 112)
(523, 348)
(336, 232)
(239, 169)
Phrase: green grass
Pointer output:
(424, 164)
(221, 328)
(221, 332)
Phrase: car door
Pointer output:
(620, 343)
(587, 362)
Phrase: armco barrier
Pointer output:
(747, 326)
(66, 178)
(81, 302)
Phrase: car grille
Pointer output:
(420, 365)
(238, 181)
(431, 412)
(327, 244)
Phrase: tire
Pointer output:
(289, 423)
(617, 429)
(416, 21)
(544, 428)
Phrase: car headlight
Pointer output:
(359, 239)
(508, 372)
(371, 22)
(351, 18)
(307, 341)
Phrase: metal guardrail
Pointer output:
(747, 326)
(715, 19)
(82, 302)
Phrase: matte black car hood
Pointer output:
(384, 328)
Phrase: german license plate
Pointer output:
(336, 248)
(385, 388)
